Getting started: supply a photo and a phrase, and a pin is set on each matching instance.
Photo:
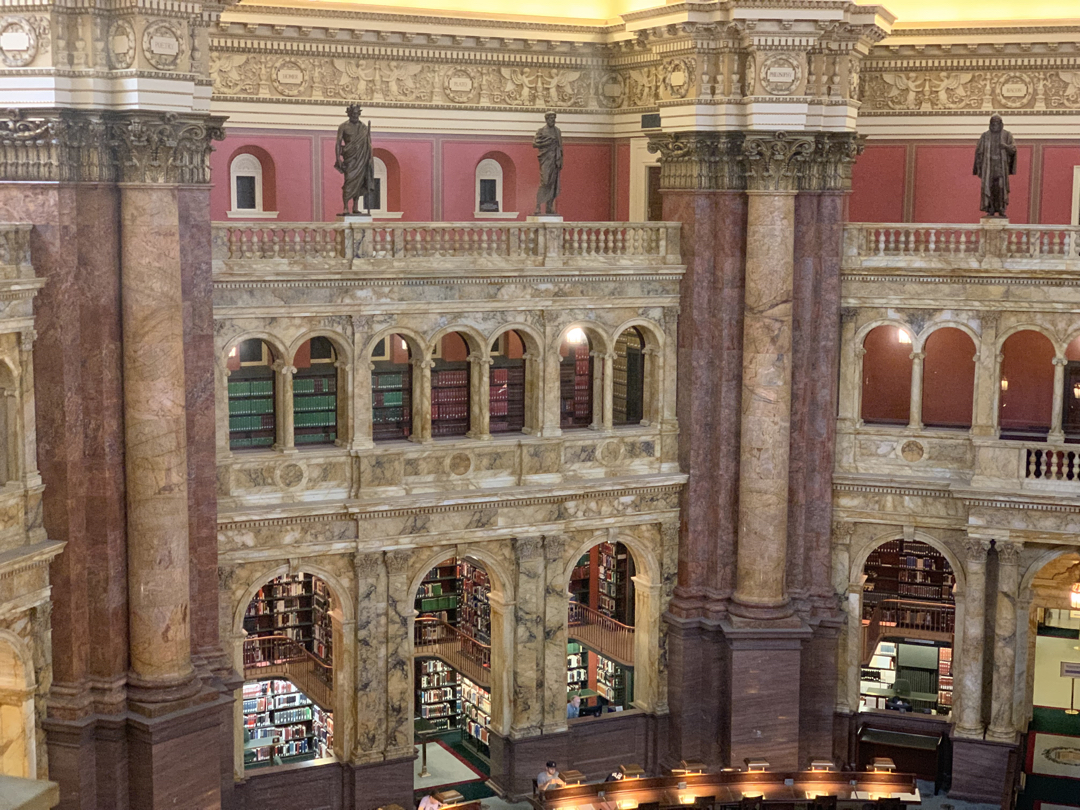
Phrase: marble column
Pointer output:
(359, 391)
(1057, 431)
(480, 398)
(345, 397)
(502, 662)
(556, 616)
(344, 641)
(1002, 727)
(399, 659)
(284, 419)
(915, 408)
(968, 663)
(766, 406)
(609, 390)
(647, 598)
(421, 400)
(370, 684)
(528, 700)
(27, 453)
(987, 379)
(534, 394)
(155, 443)
(1026, 633)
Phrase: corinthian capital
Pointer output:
(163, 147)
(705, 161)
(777, 161)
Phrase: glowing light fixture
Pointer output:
(686, 798)
(576, 335)
(756, 764)
(626, 804)
(404, 345)
(235, 350)
(882, 765)
(1004, 383)
(903, 336)
(822, 765)
(753, 794)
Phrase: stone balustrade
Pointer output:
(991, 244)
(253, 248)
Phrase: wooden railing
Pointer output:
(909, 618)
(993, 243)
(281, 656)
(438, 639)
(368, 245)
(601, 633)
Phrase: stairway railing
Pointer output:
(281, 656)
(601, 633)
(434, 637)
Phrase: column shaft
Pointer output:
(968, 685)
(155, 437)
(766, 402)
(1057, 432)
(915, 408)
(1002, 728)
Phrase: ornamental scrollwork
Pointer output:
(643, 86)
(165, 148)
(610, 91)
(462, 85)
(120, 45)
(235, 73)
(18, 42)
(162, 45)
(678, 77)
(290, 78)
(538, 87)
(777, 161)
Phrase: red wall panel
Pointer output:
(1057, 181)
(948, 379)
(877, 185)
(293, 157)
(946, 190)
(622, 181)
(886, 383)
(1027, 363)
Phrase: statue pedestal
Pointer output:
(354, 217)
(994, 222)
(544, 218)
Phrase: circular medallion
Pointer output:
(1015, 90)
(460, 463)
(678, 76)
(162, 45)
(610, 91)
(610, 452)
(288, 77)
(460, 85)
(780, 74)
(290, 475)
(18, 42)
(912, 451)
(120, 46)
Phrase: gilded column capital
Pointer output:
(163, 147)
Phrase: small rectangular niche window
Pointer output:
(245, 193)
(489, 195)
(373, 200)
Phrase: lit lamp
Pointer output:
(1076, 390)
(1004, 383)
(822, 765)
(756, 764)
(626, 804)
(632, 771)
(1074, 596)
(692, 766)
(882, 765)
(686, 798)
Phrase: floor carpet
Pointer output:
(1055, 755)
(1055, 721)
(453, 764)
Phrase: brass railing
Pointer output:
(379, 245)
(438, 639)
(601, 633)
(281, 656)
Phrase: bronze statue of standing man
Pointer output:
(995, 160)
(352, 150)
(548, 142)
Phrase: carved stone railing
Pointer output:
(992, 244)
(608, 637)
(1057, 464)
(908, 618)
(244, 248)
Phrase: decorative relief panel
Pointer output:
(18, 41)
(162, 45)
(972, 90)
(120, 45)
(781, 74)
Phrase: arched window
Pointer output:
(507, 394)
(601, 590)
(16, 715)
(490, 200)
(290, 633)
(908, 606)
(628, 401)
(391, 389)
(1070, 415)
(886, 370)
(251, 395)
(1026, 386)
(246, 184)
(948, 379)
(315, 403)
(575, 380)
(450, 387)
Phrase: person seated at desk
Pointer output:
(595, 711)
(573, 708)
(429, 803)
(549, 778)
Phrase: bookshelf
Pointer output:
(628, 378)
(613, 681)
(579, 581)
(924, 669)
(438, 693)
(476, 716)
(281, 721)
(450, 398)
(575, 387)
(906, 569)
(438, 593)
(297, 606)
(391, 401)
(474, 611)
(315, 395)
(507, 396)
(577, 668)
(603, 580)
(251, 408)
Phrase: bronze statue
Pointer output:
(354, 160)
(995, 160)
(548, 142)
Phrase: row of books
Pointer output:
(439, 710)
(258, 422)
(315, 419)
(449, 396)
(248, 388)
(505, 376)
(391, 415)
(242, 407)
(388, 399)
(314, 385)
(438, 694)
(388, 380)
(450, 378)
(315, 403)
(922, 591)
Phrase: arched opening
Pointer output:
(886, 376)
(388, 181)
(251, 395)
(1055, 642)
(495, 187)
(391, 389)
(948, 379)
(600, 640)
(909, 619)
(628, 398)
(450, 386)
(315, 386)
(1070, 412)
(452, 665)
(1026, 386)
(507, 384)
(16, 715)
(252, 184)
(289, 672)
(575, 380)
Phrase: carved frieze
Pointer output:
(1009, 88)
(163, 45)
(120, 45)
(700, 160)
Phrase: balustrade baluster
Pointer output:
(931, 241)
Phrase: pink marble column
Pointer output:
(155, 443)
(766, 406)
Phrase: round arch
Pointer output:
(414, 339)
(499, 576)
(1027, 579)
(870, 326)
(337, 589)
(598, 339)
(1029, 327)
(533, 340)
(858, 561)
(341, 345)
(919, 340)
(654, 335)
(474, 339)
(271, 340)
(645, 560)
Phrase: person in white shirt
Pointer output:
(429, 803)
(549, 778)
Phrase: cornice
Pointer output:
(23, 558)
(981, 498)
(901, 30)
(428, 281)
